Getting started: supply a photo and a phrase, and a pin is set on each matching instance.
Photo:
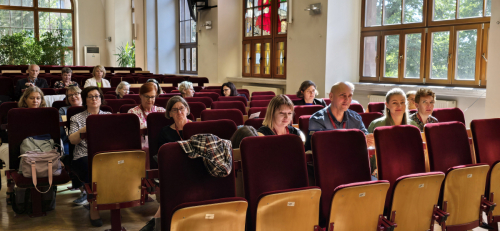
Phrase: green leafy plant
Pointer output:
(52, 44)
(19, 49)
(126, 57)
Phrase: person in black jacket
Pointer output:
(307, 92)
(31, 81)
(279, 114)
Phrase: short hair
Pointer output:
(66, 70)
(410, 93)
(121, 85)
(184, 85)
(172, 101)
(274, 105)
(32, 65)
(423, 92)
(338, 84)
(159, 90)
(231, 86)
(387, 112)
(22, 101)
(85, 93)
(72, 88)
(306, 84)
(101, 68)
(241, 133)
(147, 87)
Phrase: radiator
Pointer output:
(438, 104)
(251, 89)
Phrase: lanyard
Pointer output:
(178, 130)
(144, 113)
(286, 129)
(331, 120)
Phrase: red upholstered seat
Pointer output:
(145, 79)
(205, 100)
(173, 80)
(368, 117)
(218, 114)
(305, 110)
(185, 180)
(106, 108)
(376, 107)
(198, 80)
(217, 91)
(255, 123)
(196, 108)
(162, 102)
(49, 91)
(230, 105)
(262, 111)
(135, 97)
(214, 96)
(304, 124)
(168, 95)
(262, 97)
(293, 97)
(263, 93)
(156, 122)
(59, 104)
(327, 101)
(6, 86)
(234, 98)
(114, 81)
(108, 96)
(115, 104)
(357, 107)
(244, 91)
(167, 89)
(4, 109)
(259, 103)
(213, 87)
(124, 108)
(336, 163)
(449, 114)
(223, 128)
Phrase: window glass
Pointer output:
(15, 21)
(373, 13)
(56, 4)
(440, 42)
(282, 18)
(257, 21)
(188, 59)
(256, 65)
(181, 32)
(413, 54)
(280, 58)
(248, 58)
(488, 8)
(68, 58)
(248, 23)
(470, 8)
(267, 58)
(391, 56)
(54, 21)
(193, 31)
(370, 56)
(413, 12)
(27, 3)
(187, 31)
(182, 60)
(392, 13)
(466, 55)
(444, 9)
(193, 59)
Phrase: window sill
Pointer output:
(263, 81)
(466, 92)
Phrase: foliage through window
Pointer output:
(188, 41)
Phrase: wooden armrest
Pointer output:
(295, 125)
(152, 174)
(198, 119)
(144, 132)
(245, 118)
(90, 194)
(83, 136)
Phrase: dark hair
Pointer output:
(158, 88)
(66, 70)
(303, 87)
(85, 93)
(231, 86)
(241, 133)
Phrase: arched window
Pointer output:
(40, 16)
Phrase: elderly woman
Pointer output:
(178, 110)
(32, 98)
(278, 117)
(307, 92)
(158, 88)
(66, 79)
(147, 106)
(424, 102)
(410, 97)
(92, 101)
(395, 112)
(98, 80)
(228, 89)
(186, 89)
(122, 89)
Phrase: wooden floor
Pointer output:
(68, 216)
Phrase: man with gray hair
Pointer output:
(31, 81)
(338, 115)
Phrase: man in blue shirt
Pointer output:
(338, 115)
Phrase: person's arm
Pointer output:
(87, 83)
(44, 84)
(316, 124)
(74, 137)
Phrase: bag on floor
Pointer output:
(21, 200)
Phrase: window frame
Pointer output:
(422, 55)
(36, 19)
(456, 21)
(377, 57)
(186, 46)
(428, 54)
(392, 27)
(477, 70)
(484, 51)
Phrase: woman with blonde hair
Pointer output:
(32, 98)
(98, 80)
(279, 114)
(395, 112)
(122, 89)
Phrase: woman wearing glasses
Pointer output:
(148, 96)
(122, 89)
(92, 101)
(307, 92)
(228, 89)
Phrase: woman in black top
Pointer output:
(278, 117)
(307, 92)
(228, 89)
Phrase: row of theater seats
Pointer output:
(51, 68)
(277, 192)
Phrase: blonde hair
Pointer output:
(121, 85)
(183, 86)
(99, 67)
(22, 101)
(387, 112)
(72, 88)
(273, 106)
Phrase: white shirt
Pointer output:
(92, 82)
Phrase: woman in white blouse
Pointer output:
(98, 80)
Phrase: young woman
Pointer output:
(307, 92)
(228, 89)
(32, 98)
(279, 114)
(395, 112)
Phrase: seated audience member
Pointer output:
(186, 89)
(410, 97)
(424, 102)
(98, 80)
(92, 99)
(279, 114)
(241, 133)
(147, 92)
(178, 110)
(228, 89)
(122, 89)
(307, 92)
(73, 99)
(32, 98)
(395, 112)
(31, 81)
(338, 115)
(158, 88)
(66, 79)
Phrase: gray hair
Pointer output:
(65, 70)
(172, 101)
(121, 85)
(184, 85)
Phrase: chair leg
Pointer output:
(116, 221)
(36, 204)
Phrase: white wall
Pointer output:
(91, 28)
(208, 42)
(151, 36)
(109, 22)
(140, 41)
(492, 92)
(229, 53)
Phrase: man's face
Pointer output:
(341, 97)
(33, 71)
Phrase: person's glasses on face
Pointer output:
(310, 91)
(73, 95)
(225, 90)
(180, 109)
(94, 97)
(147, 97)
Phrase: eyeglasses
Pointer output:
(226, 90)
(175, 110)
(148, 97)
(73, 95)
(93, 97)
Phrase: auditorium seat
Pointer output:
(304, 124)
(124, 108)
(173, 80)
(230, 105)
(161, 102)
(262, 111)
(276, 184)
(135, 97)
(343, 172)
(449, 114)
(217, 91)
(244, 91)
(293, 97)
(260, 103)
(205, 100)
(222, 128)
(145, 79)
(54, 80)
(304, 110)
(4, 110)
(115, 104)
(198, 80)
(357, 107)
(234, 98)
(487, 147)
(49, 91)
(368, 117)
(255, 123)
(171, 94)
(109, 96)
(196, 108)
(255, 93)
(213, 87)
(217, 114)
(192, 199)
(106, 108)
(59, 104)
(327, 101)
(376, 107)
(156, 122)
(262, 97)
(167, 89)
(6, 86)
(465, 183)
(212, 95)
(114, 81)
